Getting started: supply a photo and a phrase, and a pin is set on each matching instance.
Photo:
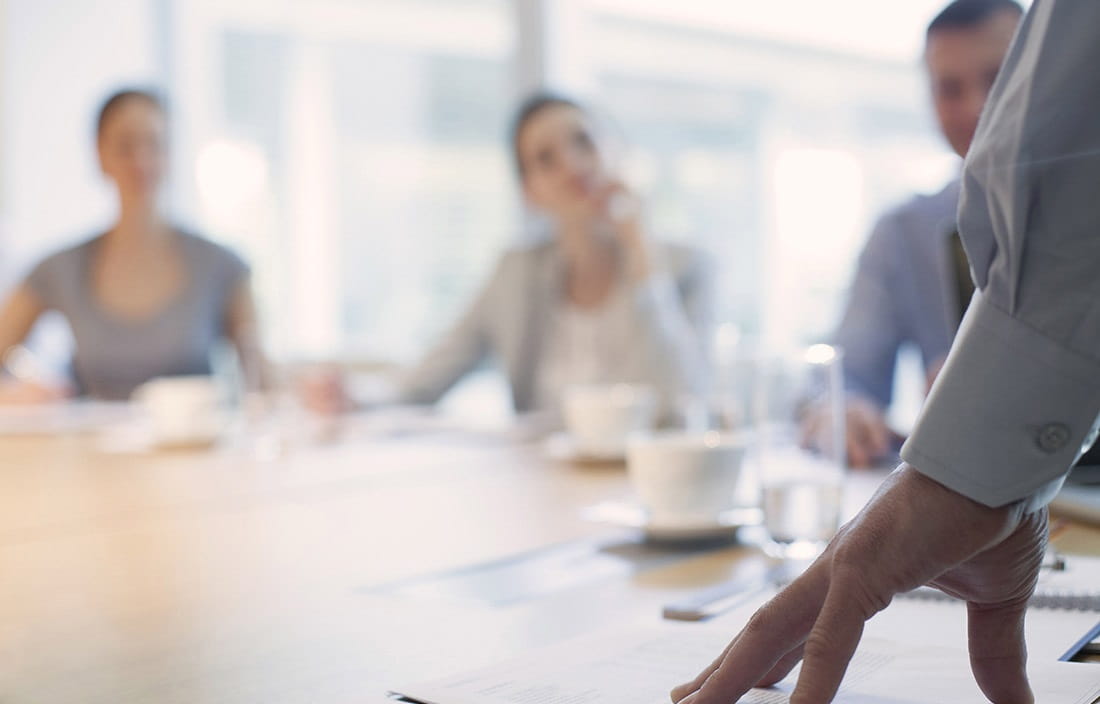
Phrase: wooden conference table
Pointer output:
(216, 576)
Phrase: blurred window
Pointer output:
(356, 153)
(355, 150)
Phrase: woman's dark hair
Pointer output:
(119, 98)
(528, 109)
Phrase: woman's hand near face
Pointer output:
(621, 208)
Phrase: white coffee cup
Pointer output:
(600, 418)
(182, 410)
(686, 478)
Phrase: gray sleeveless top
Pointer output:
(113, 355)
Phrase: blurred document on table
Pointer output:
(640, 666)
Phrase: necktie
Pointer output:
(964, 282)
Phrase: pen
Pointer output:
(723, 597)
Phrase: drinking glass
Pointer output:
(799, 448)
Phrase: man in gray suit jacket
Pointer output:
(913, 283)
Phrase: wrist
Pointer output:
(1009, 516)
(638, 260)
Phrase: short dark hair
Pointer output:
(531, 106)
(965, 14)
(119, 98)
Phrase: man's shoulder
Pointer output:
(922, 211)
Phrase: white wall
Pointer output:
(59, 59)
(3, 85)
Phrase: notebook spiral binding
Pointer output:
(1056, 599)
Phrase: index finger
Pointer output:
(833, 640)
(776, 629)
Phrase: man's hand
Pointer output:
(323, 390)
(913, 532)
(933, 373)
(867, 436)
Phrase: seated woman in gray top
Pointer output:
(143, 299)
(599, 302)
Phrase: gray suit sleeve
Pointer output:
(869, 332)
(458, 352)
(1019, 394)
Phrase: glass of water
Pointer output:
(798, 413)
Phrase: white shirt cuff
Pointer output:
(1009, 413)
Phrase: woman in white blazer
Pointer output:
(600, 301)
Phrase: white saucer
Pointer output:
(137, 437)
(63, 417)
(563, 447)
(195, 441)
(631, 515)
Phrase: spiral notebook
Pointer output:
(1074, 588)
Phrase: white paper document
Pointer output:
(62, 417)
(639, 666)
